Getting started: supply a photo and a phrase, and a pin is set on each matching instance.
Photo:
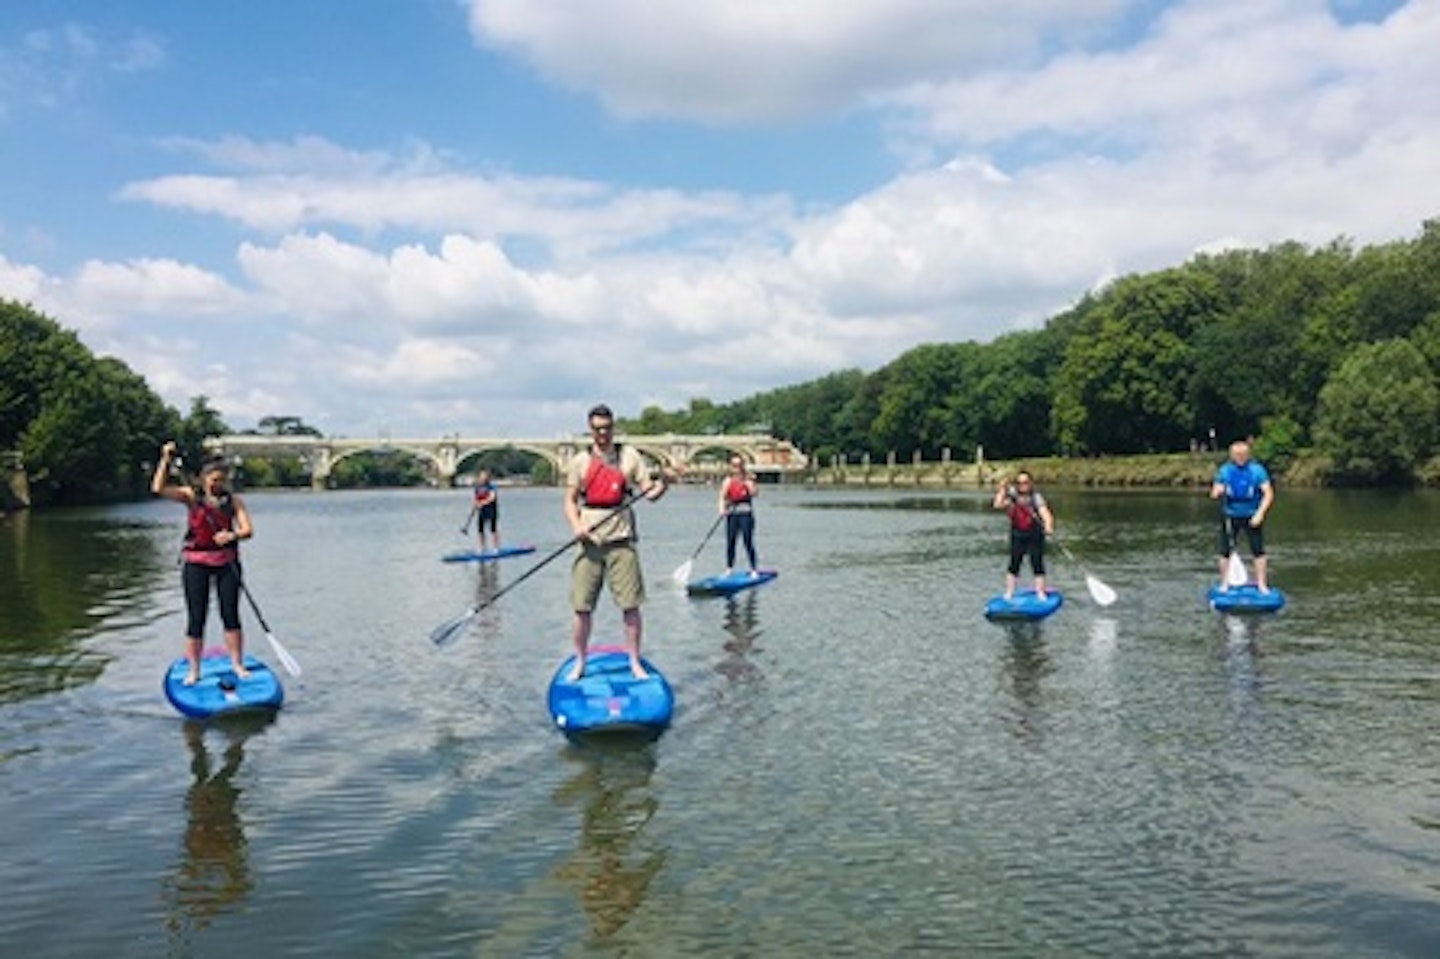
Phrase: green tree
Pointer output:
(1378, 413)
(202, 421)
(1125, 385)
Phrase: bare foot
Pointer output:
(241, 671)
(637, 670)
(1264, 590)
(192, 678)
(1041, 596)
(577, 672)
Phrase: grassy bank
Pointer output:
(1154, 470)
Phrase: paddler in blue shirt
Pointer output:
(1243, 486)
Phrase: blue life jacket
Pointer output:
(1242, 488)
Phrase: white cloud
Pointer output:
(313, 183)
(741, 61)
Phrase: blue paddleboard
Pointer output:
(734, 583)
(486, 555)
(1245, 599)
(219, 690)
(1024, 605)
(608, 698)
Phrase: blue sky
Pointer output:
(430, 216)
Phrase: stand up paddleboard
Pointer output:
(219, 691)
(1025, 605)
(1245, 599)
(733, 583)
(608, 698)
(486, 555)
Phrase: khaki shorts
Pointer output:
(617, 562)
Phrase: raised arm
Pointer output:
(160, 483)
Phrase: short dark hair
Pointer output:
(600, 409)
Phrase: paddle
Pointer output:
(682, 572)
(447, 632)
(465, 530)
(1099, 591)
(281, 653)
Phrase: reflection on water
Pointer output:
(63, 579)
(1025, 663)
(612, 869)
(213, 874)
(742, 628)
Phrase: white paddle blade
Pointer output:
(447, 633)
(291, 664)
(1100, 592)
(682, 572)
(1235, 574)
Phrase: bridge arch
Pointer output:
(549, 455)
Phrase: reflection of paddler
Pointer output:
(611, 878)
(213, 874)
(741, 624)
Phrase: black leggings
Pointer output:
(1027, 543)
(489, 513)
(738, 525)
(196, 579)
(1230, 529)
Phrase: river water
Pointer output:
(860, 764)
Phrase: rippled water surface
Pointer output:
(860, 764)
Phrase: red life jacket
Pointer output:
(1023, 514)
(206, 520)
(604, 482)
(736, 491)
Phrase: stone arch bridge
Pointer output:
(766, 455)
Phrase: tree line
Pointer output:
(1330, 352)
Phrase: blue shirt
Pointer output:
(1242, 487)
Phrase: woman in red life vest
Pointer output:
(217, 521)
(1030, 523)
(737, 499)
(599, 482)
(485, 504)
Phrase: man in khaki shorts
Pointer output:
(597, 508)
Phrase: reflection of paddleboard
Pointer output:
(1245, 599)
(608, 698)
(486, 555)
(733, 583)
(219, 690)
(1024, 605)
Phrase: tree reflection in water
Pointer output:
(613, 866)
(213, 874)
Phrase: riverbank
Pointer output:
(1153, 470)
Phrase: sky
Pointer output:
(411, 218)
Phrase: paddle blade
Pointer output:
(447, 633)
(1235, 574)
(291, 664)
(1100, 592)
(682, 572)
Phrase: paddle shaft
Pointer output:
(713, 527)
